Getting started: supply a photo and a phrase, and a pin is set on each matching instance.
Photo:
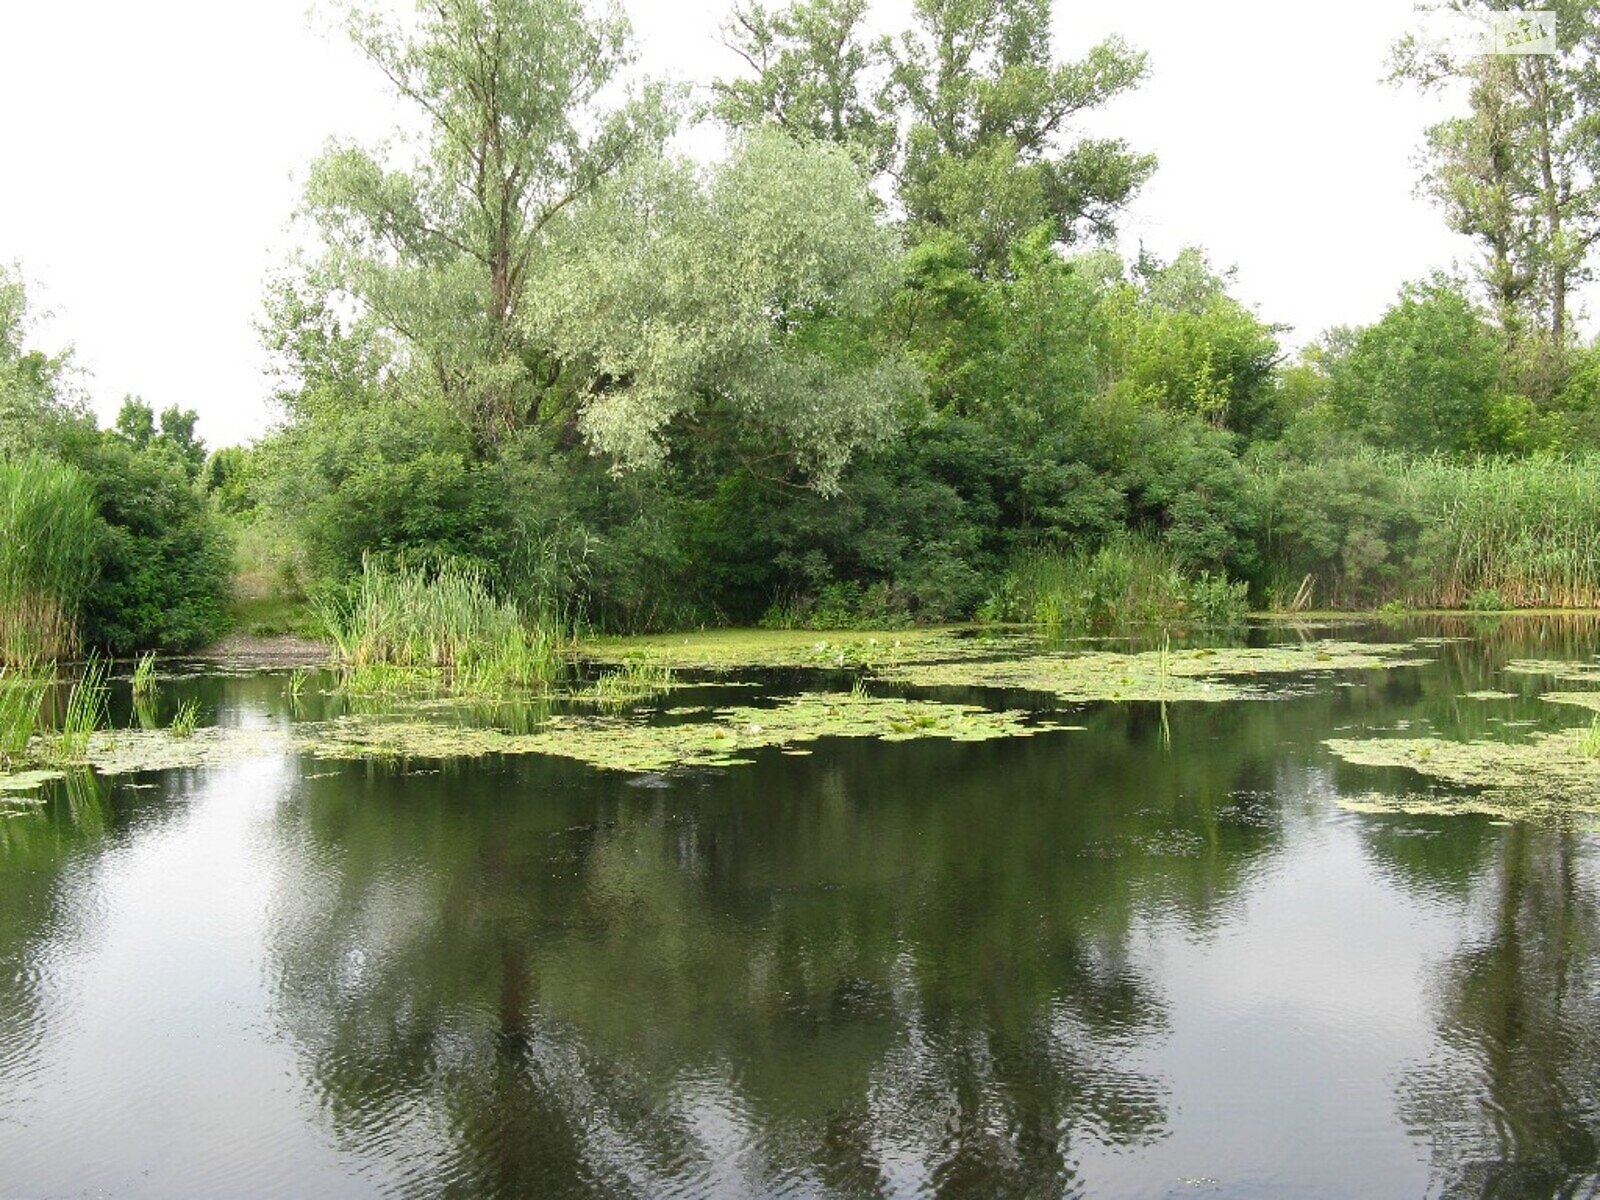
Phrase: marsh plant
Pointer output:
(630, 683)
(144, 675)
(22, 695)
(399, 625)
(186, 718)
(49, 532)
(85, 713)
(1128, 582)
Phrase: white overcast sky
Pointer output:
(152, 152)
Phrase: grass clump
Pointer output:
(49, 534)
(85, 713)
(629, 683)
(22, 695)
(1128, 582)
(399, 626)
(185, 719)
(144, 675)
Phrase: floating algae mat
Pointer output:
(1549, 777)
(732, 649)
(1212, 675)
(624, 742)
(1573, 672)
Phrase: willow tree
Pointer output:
(435, 245)
(735, 304)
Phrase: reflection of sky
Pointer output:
(159, 1075)
(1275, 1066)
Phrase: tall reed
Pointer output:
(398, 618)
(86, 712)
(1373, 527)
(1129, 581)
(22, 695)
(49, 531)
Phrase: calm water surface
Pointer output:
(1143, 960)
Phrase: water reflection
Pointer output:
(1145, 959)
(1508, 1103)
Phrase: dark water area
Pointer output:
(1153, 958)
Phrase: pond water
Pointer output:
(1153, 957)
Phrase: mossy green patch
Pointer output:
(1178, 675)
(1573, 672)
(735, 649)
(1590, 700)
(629, 743)
(22, 782)
(1550, 777)
(632, 742)
(125, 751)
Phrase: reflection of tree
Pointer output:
(1508, 1103)
(874, 965)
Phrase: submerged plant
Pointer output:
(630, 682)
(400, 626)
(1589, 739)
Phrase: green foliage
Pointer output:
(398, 623)
(165, 563)
(986, 110)
(436, 255)
(706, 306)
(1130, 581)
(50, 537)
(1425, 378)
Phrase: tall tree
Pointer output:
(988, 155)
(970, 113)
(815, 72)
(1520, 172)
(438, 249)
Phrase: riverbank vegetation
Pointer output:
(876, 366)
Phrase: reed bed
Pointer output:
(1376, 528)
(399, 623)
(1525, 532)
(1128, 582)
(49, 533)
